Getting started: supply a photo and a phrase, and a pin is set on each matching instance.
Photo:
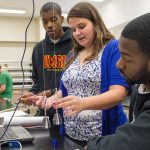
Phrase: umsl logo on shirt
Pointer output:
(54, 62)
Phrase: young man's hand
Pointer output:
(25, 98)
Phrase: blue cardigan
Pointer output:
(110, 75)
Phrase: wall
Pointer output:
(14, 50)
(12, 37)
(117, 12)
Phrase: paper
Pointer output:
(24, 121)
(21, 118)
(10, 113)
(1, 121)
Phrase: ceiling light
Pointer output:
(65, 15)
(11, 11)
(97, 0)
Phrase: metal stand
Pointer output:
(46, 121)
(57, 120)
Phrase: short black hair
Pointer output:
(51, 6)
(139, 30)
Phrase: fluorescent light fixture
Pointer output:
(97, 0)
(12, 11)
(65, 15)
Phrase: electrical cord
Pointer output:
(21, 68)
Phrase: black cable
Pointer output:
(21, 68)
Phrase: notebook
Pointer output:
(18, 133)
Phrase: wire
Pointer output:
(44, 88)
(44, 94)
(21, 68)
(54, 55)
(43, 48)
(55, 81)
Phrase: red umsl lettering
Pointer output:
(54, 62)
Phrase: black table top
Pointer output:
(43, 141)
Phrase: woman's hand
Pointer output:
(41, 101)
(29, 98)
(71, 104)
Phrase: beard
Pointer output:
(129, 81)
(142, 76)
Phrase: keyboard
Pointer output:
(8, 135)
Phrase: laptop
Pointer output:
(18, 133)
(15, 132)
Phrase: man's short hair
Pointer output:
(139, 30)
(51, 6)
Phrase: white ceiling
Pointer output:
(27, 5)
